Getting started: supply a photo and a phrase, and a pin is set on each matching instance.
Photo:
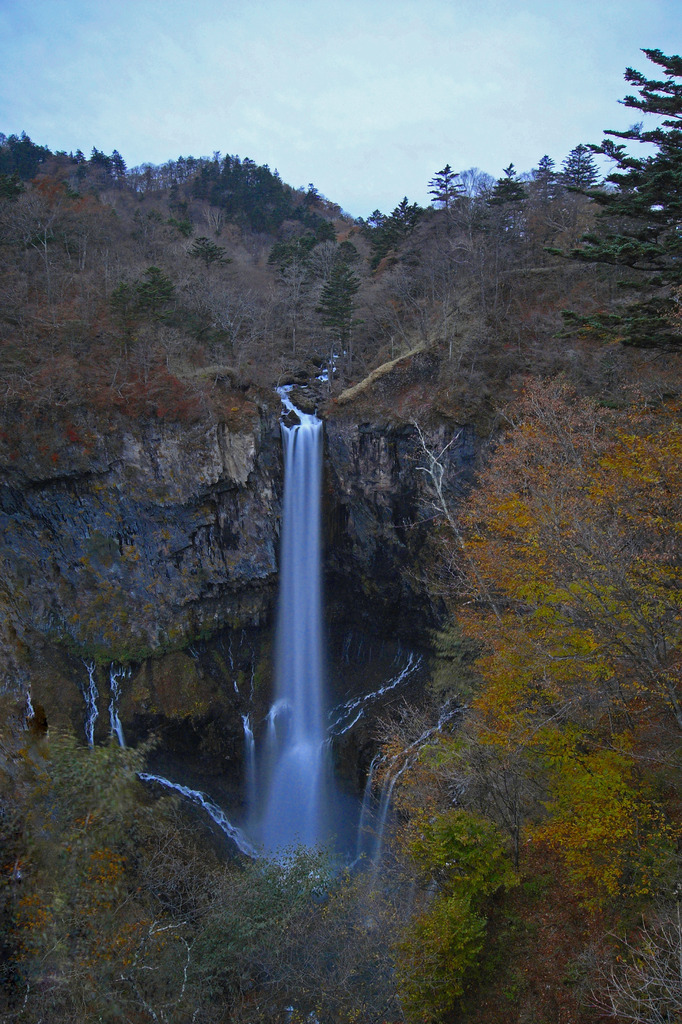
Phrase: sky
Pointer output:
(366, 99)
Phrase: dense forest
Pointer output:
(534, 869)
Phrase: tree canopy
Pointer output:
(639, 230)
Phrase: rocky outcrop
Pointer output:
(143, 535)
(379, 514)
(152, 546)
(128, 543)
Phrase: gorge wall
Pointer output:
(380, 507)
(153, 545)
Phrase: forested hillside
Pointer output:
(535, 860)
(122, 287)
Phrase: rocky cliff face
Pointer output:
(153, 546)
(145, 536)
(380, 511)
(127, 541)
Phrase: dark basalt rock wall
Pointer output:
(154, 545)
(379, 517)
(165, 531)
(131, 542)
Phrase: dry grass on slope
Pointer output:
(362, 386)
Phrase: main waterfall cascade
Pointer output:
(290, 791)
(294, 785)
(290, 795)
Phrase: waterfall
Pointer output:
(408, 756)
(344, 716)
(215, 813)
(295, 798)
(366, 809)
(253, 676)
(116, 673)
(249, 766)
(382, 816)
(90, 694)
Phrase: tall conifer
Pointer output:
(579, 169)
(445, 187)
(640, 225)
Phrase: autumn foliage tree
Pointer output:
(575, 531)
(440, 949)
(114, 909)
(565, 576)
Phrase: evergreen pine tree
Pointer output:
(507, 189)
(208, 252)
(445, 188)
(640, 226)
(336, 307)
(19, 155)
(155, 292)
(118, 167)
(505, 202)
(11, 186)
(579, 169)
(405, 217)
(377, 219)
(387, 233)
(546, 181)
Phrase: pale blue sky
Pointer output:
(365, 99)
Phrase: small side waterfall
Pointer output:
(382, 816)
(376, 823)
(294, 765)
(249, 763)
(90, 694)
(215, 813)
(366, 811)
(345, 716)
(116, 674)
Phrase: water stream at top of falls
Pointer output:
(295, 773)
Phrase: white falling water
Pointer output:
(90, 694)
(30, 710)
(249, 763)
(395, 769)
(253, 676)
(382, 816)
(366, 811)
(116, 674)
(295, 799)
(215, 813)
(345, 716)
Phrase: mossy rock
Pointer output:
(175, 687)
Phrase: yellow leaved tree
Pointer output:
(569, 551)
